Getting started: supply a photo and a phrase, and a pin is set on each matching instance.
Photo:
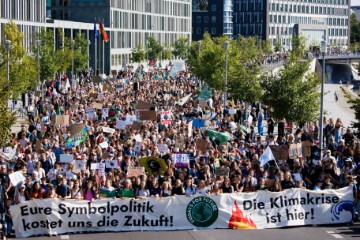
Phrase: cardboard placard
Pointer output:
(94, 166)
(280, 152)
(201, 145)
(143, 105)
(179, 142)
(108, 130)
(93, 95)
(75, 128)
(66, 158)
(96, 79)
(120, 124)
(222, 172)
(62, 119)
(80, 165)
(97, 105)
(295, 151)
(181, 160)
(106, 87)
(16, 178)
(111, 163)
(135, 171)
(148, 115)
(136, 126)
(306, 148)
(202, 103)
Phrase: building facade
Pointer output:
(213, 16)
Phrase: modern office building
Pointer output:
(279, 20)
(213, 17)
(127, 23)
(356, 10)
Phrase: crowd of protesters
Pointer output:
(40, 143)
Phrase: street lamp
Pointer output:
(38, 43)
(8, 47)
(323, 51)
(88, 54)
(72, 64)
(199, 46)
(226, 44)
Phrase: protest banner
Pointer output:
(306, 148)
(280, 152)
(165, 117)
(254, 210)
(201, 145)
(295, 151)
(181, 160)
(148, 115)
(66, 158)
(75, 128)
(94, 166)
(108, 130)
(198, 123)
(16, 178)
(105, 112)
(120, 124)
(135, 171)
(97, 105)
(62, 119)
(101, 169)
(111, 163)
(79, 165)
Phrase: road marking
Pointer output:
(64, 237)
(335, 235)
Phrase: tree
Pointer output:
(138, 54)
(80, 52)
(354, 29)
(181, 48)
(48, 63)
(266, 47)
(294, 93)
(22, 74)
(154, 48)
(355, 105)
(166, 52)
(63, 55)
(277, 45)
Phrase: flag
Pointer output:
(103, 34)
(266, 157)
(96, 33)
(222, 137)
(184, 99)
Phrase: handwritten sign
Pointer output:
(181, 160)
(66, 158)
(222, 172)
(135, 171)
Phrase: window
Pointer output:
(213, 7)
(213, 30)
(206, 19)
(198, 19)
(213, 19)
(206, 30)
(198, 30)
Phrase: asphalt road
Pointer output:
(327, 232)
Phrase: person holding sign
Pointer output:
(107, 191)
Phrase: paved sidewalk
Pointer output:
(21, 117)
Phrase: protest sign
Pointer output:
(292, 207)
(137, 147)
(181, 160)
(201, 145)
(93, 95)
(96, 79)
(232, 111)
(202, 103)
(222, 172)
(77, 139)
(190, 132)
(162, 147)
(143, 105)
(165, 117)
(280, 152)
(295, 151)
(111, 163)
(105, 112)
(148, 115)
(136, 126)
(179, 142)
(135, 171)
(94, 166)
(75, 128)
(104, 145)
(66, 158)
(120, 124)
(80, 165)
(198, 123)
(62, 119)
(89, 112)
(101, 169)
(97, 105)
(16, 178)
(306, 148)
(108, 130)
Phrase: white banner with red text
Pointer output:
(257, 210)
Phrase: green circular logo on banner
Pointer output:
(202, 212)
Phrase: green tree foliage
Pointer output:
(181, 48)
(266, 47)
(45, 53)
(64, 54)
(80, 52)
(22, 76)
(154, 48)
(355, 105)
(138, 54)
(277, 45)
(294, 93)
(166, 52)
(354, 29)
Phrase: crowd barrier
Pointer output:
(257, 210)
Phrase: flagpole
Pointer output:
(103, 45)
(99, 48)
(95, 41)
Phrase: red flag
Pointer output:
(103, 34)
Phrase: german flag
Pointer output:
(103, 34)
